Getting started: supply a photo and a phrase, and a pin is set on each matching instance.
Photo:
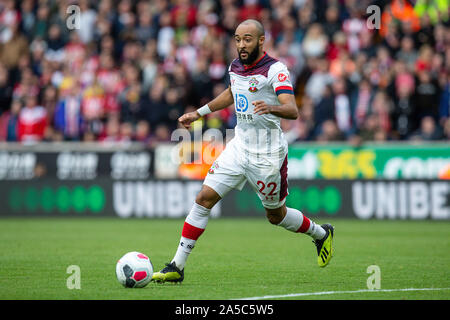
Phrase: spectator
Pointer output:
(342, 109)
(369, 128)
(126, 132)
(384, 63)
(9, 122)
(428, 130)
(41, 24)
(88, 17)
(353, 27)
(318, 80)
(360, 102)
(183, 14)
(407, 53)
(315, 42)
(329, 132)
(32, 121)
(152, 103)
(55, 44)
(427, 96)
(332, 24)
(444, 104)
(28, 84)
(342, 66)
(68, 119)
(74, 52)
(404, 108)
(142, 132)
(111, 131)
(446, 130)
(28, 18)
(93, 107)
(13, 46)
(201, 82)
(181, 82)
(130, 107)
(110, 80)
(165, 35)
(174, 110)
(49, 101)
(250, 10)
(145, 30)
(148, 65)
(38, 48)
(162, 134)
(337, 45)
(6, 90)
(382, 108)
(440, 42)
(324, 110)
(218, 66)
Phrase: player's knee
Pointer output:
(207, 199)
(274, 218)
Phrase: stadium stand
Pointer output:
(131, 68)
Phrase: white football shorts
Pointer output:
(266, 174)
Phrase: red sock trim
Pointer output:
(191, 232)
(305, 225)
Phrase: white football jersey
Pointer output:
(264, 80)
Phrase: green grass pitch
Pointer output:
(234, 258)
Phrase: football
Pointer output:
(134, 270)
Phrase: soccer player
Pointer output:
(262, 93)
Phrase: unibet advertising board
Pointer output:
(362, 199)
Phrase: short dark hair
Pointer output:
(257, 24)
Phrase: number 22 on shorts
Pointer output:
(272, 186)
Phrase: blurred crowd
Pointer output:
(123, 70)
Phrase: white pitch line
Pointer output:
(304, 294)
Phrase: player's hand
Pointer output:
(261, 107)
(186, 119)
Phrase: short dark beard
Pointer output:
(251, 57)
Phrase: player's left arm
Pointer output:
(287, 109)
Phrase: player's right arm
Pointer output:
(220, 102)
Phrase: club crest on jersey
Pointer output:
(253, 83)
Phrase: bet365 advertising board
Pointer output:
(371, 161)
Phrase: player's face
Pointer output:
(247, 43)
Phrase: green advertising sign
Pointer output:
(314, 199)
(55, 199)
(371, 161)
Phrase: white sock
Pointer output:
(184, 249)
(295, 221)
(193, 227)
